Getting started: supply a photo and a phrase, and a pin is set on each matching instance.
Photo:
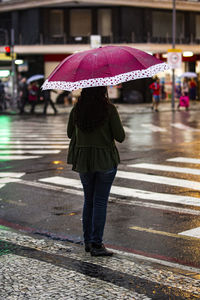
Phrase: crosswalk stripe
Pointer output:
(169, 234)
(8, 180)
(114, 199)
(185, 160)
(166, 168)
(17, 157)
(154, 128)
(183, 127)
(33, 146)
(160, 180)
(12, 174)
(47, 136)
(34, 131)
(29, 152)
(2, 185)
(195, 233)
(63, 181)
(19, 142)
(27, 138)
(129, 192)
(127, 129)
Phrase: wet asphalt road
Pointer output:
(150, 209)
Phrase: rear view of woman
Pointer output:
(93, 127)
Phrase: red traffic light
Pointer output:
(7, 49)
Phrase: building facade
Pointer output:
(45, 32)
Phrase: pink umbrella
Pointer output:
(109, 65)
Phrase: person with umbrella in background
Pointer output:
(94, 125)
(23, 94)
(33, 90)
(33, 95)
(46, 97)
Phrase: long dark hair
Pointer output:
(92, 108)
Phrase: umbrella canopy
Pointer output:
(35, 78)
(109, 65)
(189, 74)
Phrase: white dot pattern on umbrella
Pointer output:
(138, 74)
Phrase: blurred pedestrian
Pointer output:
(46, 97)
(155, 88)
(184, 101)
(23, 94)
(93, 127)
(185, 87)
(33, 95)
(3, 105)
(192, 89)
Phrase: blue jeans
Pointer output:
(96, 188)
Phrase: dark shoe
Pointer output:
(100, 250)
(88, 247)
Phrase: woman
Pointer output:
(93, 126)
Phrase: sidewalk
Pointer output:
(37, 268)
(122, 107)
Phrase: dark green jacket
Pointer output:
(95, 151)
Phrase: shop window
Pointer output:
(80, 22)
(56, 23)
(104, 22)
(162, 24)
(197, 26)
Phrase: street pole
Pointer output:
(13, 66)
(173, 46)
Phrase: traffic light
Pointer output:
(7, 51)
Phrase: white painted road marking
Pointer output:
(195, 185)
(11, 174)
(183, 127)
(8, 180)
(154, 128)
(195, 232)
(20, 142)
(127, 129)
(188, 160)
(17, 157)
(166, 168)
(28, 138)
(23, 135)
(29, 152)
(114, 199)
(128, 192)
(21, 146)
(33, 131)
(63, 181)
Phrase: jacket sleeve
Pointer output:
(70, 125)
(116, 126)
